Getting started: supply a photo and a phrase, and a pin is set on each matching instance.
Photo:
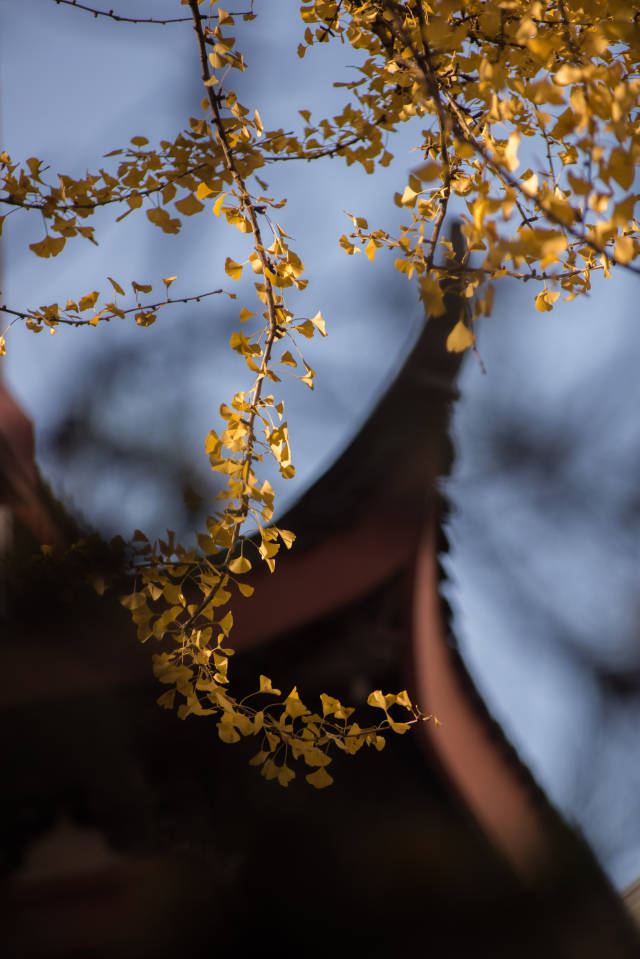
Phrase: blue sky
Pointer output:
(544, 567)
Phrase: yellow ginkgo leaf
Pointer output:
(624, 250)
(287, 537)
(167, 699)
(428, 171)
(460, 338)
(116, 286)
(306, 328)
(294, 705)
(160, 217)
(189, 205)
(239, 565)
(319, 779)
(204, 191)
(228, 733)
(307, 379)
(377, 699)
(319, 323)
(432, 296)
(285, 775)
(267, 687)
(217, 206)
(232, 269)
(50, 246)
(88, 301)
(545, 301)
(408, 197)
(400, 728)
(511, 152)
(145, 318)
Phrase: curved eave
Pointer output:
(19, 481)
(470, 747)
(398, 452)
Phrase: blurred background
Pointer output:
(544, 570)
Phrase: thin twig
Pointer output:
(325, 151)
(329, 25)
(111, 15)
(54, 321)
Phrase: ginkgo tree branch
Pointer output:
(471, 68)
(424, 60)
(249, 206)
(70, 206)
(331, 151)
(49, 205)
(41, 315)
(111, 15)
(541, 276)
(515, 184)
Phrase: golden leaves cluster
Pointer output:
(532, 121)
(529, 132)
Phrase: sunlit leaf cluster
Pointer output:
(526, 128)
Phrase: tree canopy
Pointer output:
(525, 119)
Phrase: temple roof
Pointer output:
(19, 479)
(400, 449)
(356, 602)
